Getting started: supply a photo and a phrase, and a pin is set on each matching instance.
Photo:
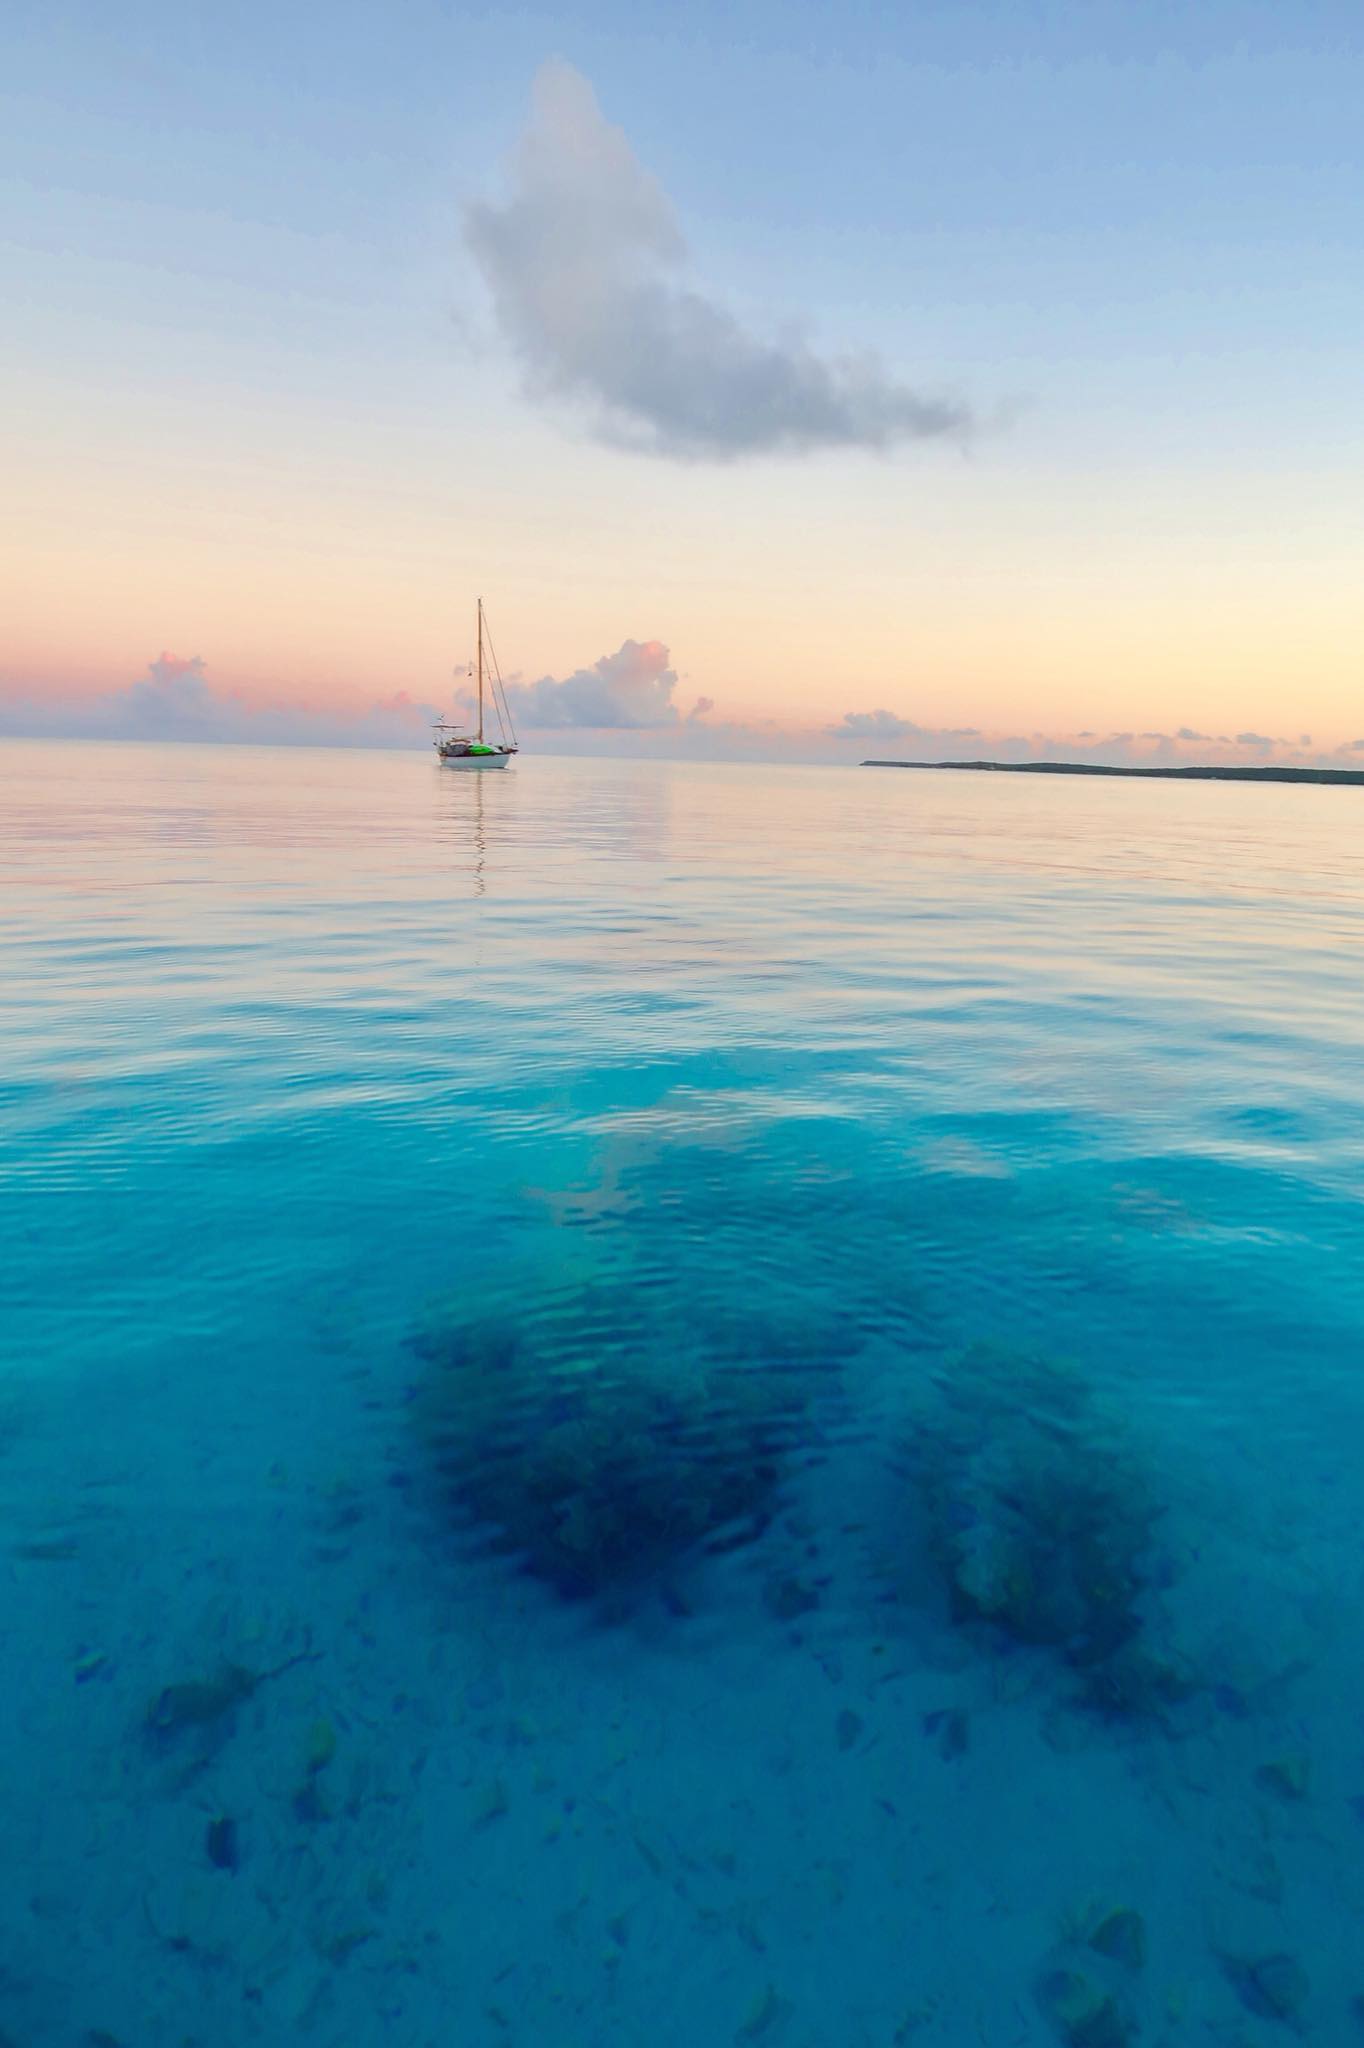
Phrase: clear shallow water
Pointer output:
(1015, 1132)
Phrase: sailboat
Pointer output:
(457, 749)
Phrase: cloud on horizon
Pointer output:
(176, 701)
(860, 735)
(624, 704)
(873, 725)
(587, 269)
(631, 689)
(888, 725)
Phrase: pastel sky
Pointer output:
(891, 376)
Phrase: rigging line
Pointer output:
(500, 704)
(488, 645)
(505, 711)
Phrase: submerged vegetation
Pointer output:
(601, 1444)
(1039, 1523)
(599, 1450)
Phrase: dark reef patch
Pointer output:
(1039, 1520)
(600, 1444)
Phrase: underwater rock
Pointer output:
(599, 1447)
(767, 2008)
(788, 1599)
(493, 1805)
(1122, 1935)
(310, 1802)
(341, 1946)
(1287, 1777)
(1274, 1987)
(951, 1728)
(1134, 1685)
(1083, 2014)
(847, 1729)
(204, 1704)
(1039, 1523)
(47, 1550)
(221, 1844)
(321, 1747)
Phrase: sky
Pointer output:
(928, 379)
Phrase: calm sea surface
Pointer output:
(668, 1405)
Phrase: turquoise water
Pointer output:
(676, 1405)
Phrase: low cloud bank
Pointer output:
(873, 725)
(587, 271)
(630, 690)
(881, 734)
(176, 701)
(624, 703)
(899, 738)
(888, 725)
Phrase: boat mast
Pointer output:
(480, 671)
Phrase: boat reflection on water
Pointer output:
(465, 825)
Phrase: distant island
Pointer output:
(1350, 775)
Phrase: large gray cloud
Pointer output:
(631, 689)
(586, 267)
(176, 701)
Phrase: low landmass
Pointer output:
(1205, 774)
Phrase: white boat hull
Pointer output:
(474, 760)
